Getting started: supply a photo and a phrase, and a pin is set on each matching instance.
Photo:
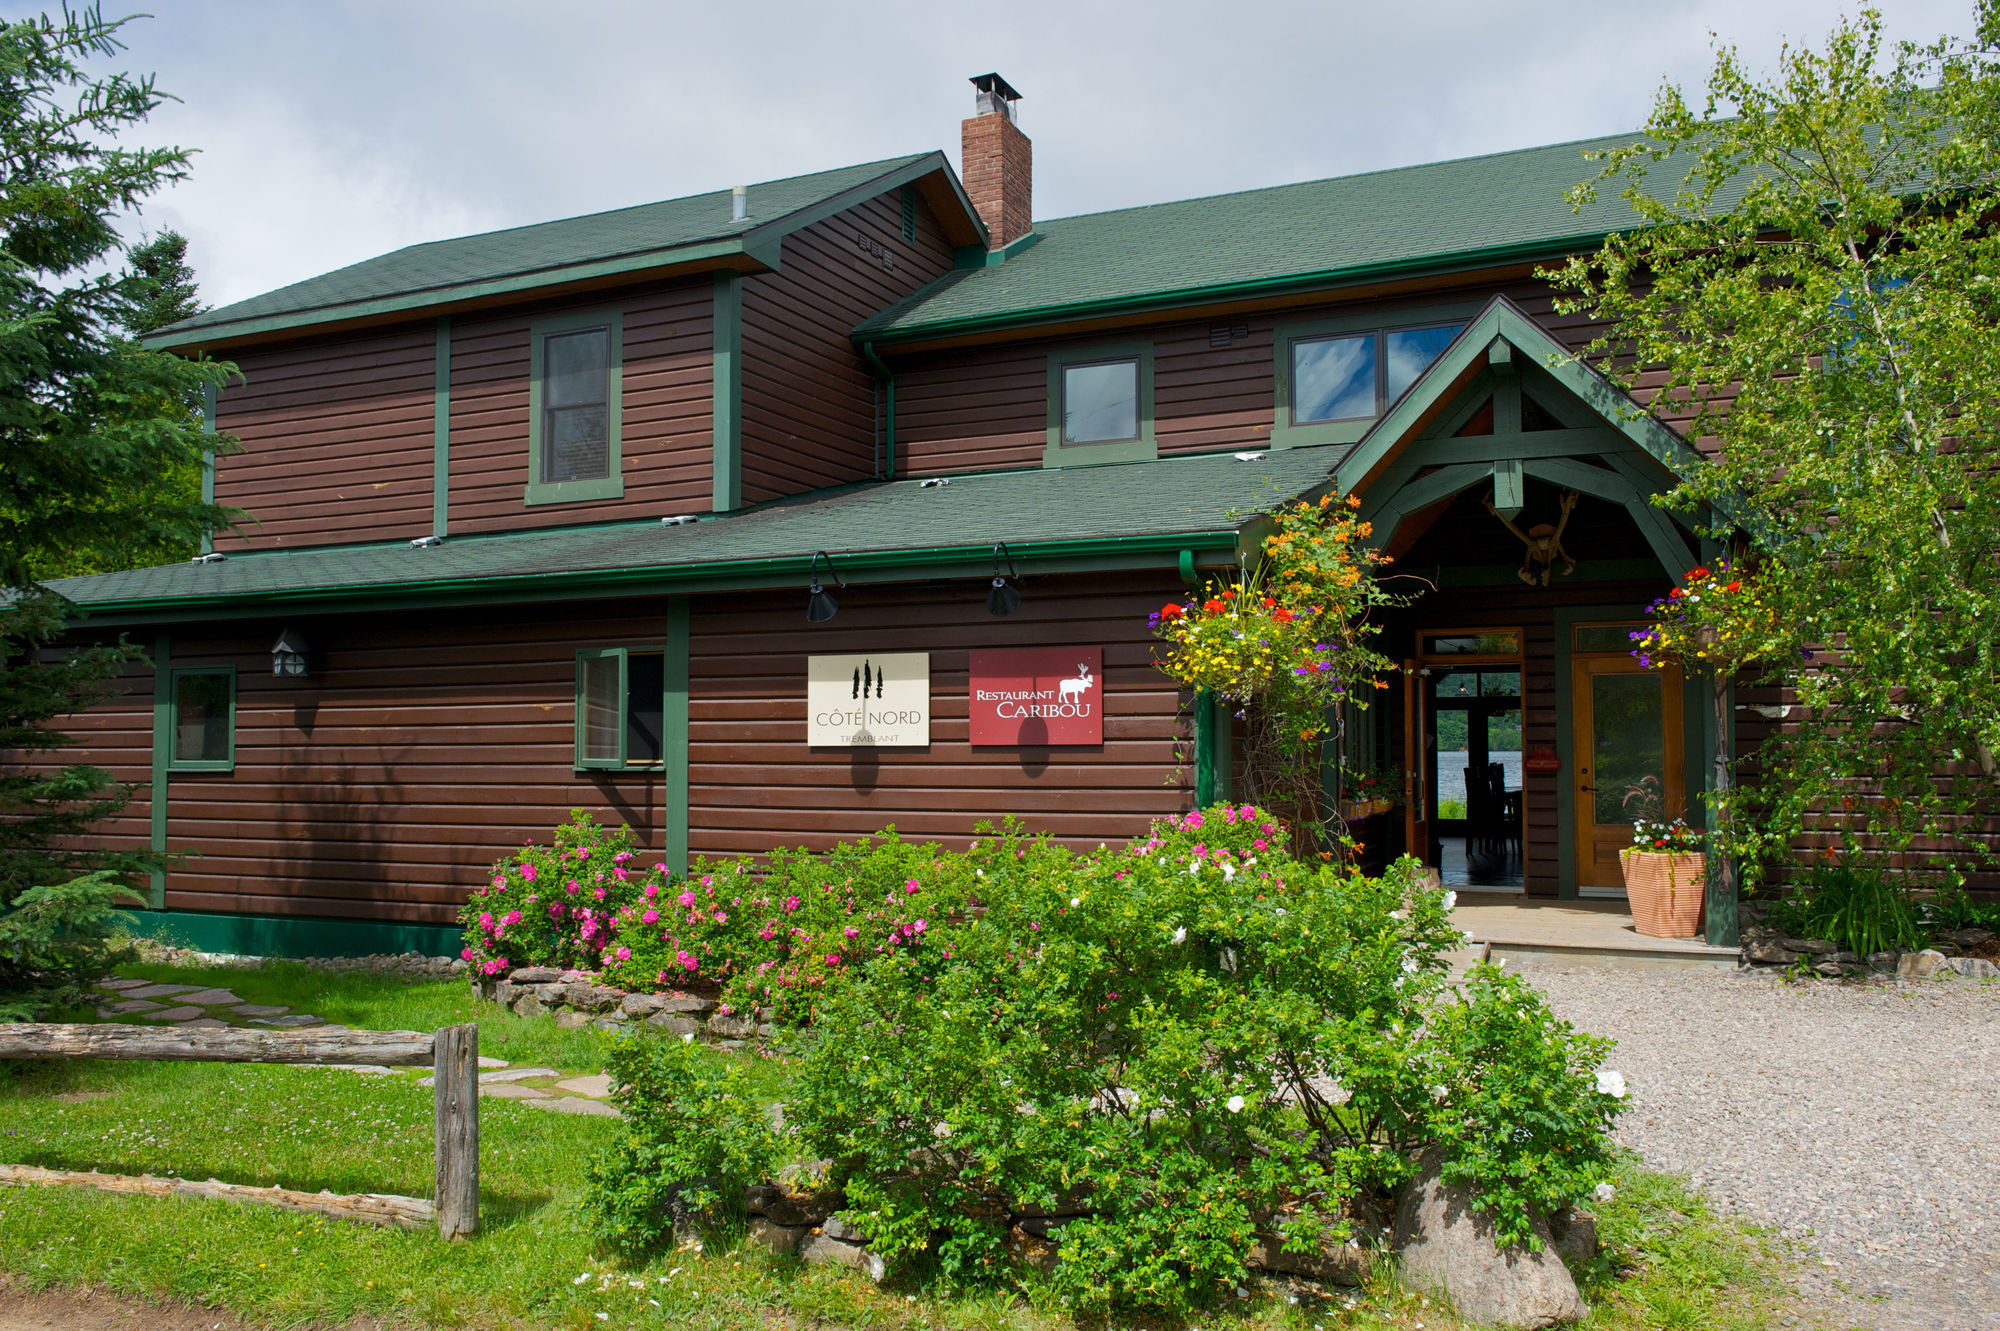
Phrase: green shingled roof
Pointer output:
(648, 235)
(1137, 509)
(1435, 216)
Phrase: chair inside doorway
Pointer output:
(1477, 714)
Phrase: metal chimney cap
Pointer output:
(993, 83)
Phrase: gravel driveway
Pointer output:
(1863, 1120)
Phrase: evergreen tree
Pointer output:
(167, 282)
(97, 443)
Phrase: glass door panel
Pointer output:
(1626, 734)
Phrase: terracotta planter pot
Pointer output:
(1665, 891)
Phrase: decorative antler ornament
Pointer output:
(1544, 542)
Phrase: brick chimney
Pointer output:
(997, 163)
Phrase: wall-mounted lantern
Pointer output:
(1005, 596)
(820, 605)
(288, 658)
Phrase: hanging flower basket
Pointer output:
(1665, 890)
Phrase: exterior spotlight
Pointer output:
(820, 605)
(288, 658)
(1004, 596)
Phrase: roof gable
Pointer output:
(695, 230)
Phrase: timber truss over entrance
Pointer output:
(1507, 401)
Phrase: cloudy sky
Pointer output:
(335, 130)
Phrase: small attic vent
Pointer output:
(1223, 335)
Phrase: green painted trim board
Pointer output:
(296, 936)
(209, 397)
(674, 728)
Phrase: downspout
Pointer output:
(1205, 726)
(881, 368)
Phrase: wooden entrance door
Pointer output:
(1417, 767)
(1626, 737)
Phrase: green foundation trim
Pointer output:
(163, 722)
(674, 730)
(441, 432)
(295, 936)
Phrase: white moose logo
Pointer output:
(1075, 688)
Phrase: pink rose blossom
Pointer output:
(851, 931)
(597, 892)
(686, 899)
(528, 872)
(624, 954)
(791, 903)
(651, 917)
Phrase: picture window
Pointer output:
(1356, 376)
(1101, 402)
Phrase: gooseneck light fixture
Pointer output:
(1005, 595)
(820, 605)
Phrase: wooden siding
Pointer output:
(810, 414)
(978, 408)
(421, 749)
(117, 735)
(336, 437)
(755, 783)
(666, 436)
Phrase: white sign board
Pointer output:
(879, 701)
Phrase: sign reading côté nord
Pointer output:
(878, 700)
(1037, 695)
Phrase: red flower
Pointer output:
(1213, 606)
(1698, 574)
(1734, 587)
(1269, 602)
(1283, 616)
(1171, 610)
(1674, 595)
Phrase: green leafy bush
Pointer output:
(1860, 908)
(694, 1139)
(1953, 908)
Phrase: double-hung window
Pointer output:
(574, 420)
(1335, 377)
(1100, 405)
(203, 735)
(620, 708)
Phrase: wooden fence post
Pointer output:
(457, 1099)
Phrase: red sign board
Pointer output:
(1037, 695)
(1542, 758)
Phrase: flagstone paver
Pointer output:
(119, 986)
(179, 1014)
(211, 998)
(160, 990)
(570, 1104)
(202, 1024)
(133, 1005)
(259, 1010)
(596, 1086)
(516, 1074)
(512, 1092)
(487, 1062)
(296, 1019)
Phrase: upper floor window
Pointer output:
(574, 379)
(1100, 405)
(1336, 376)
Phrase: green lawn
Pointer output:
(1673, 1266)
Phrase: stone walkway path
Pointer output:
(195, 1007)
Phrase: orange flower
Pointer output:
(1282, 615)
(1354, 501)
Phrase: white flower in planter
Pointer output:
(1611, 1083)
(1234, 1104)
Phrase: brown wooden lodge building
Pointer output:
(539, 515)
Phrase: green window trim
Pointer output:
(623, 762)
(176, 763)
(1145, 448)
(1286, 435)
(612, 485)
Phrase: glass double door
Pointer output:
(1628, 759)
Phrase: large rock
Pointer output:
(535, 975)
(1769, 953)
(737, 1027)
(1575, 1233)
(783, 1240)
(821, 1250)
(673, 1023)
(1882, 961)
(1817, 945)
(1920, 965)
(1962, 937)
(1449, 1249)
(528, 1003)
(1031, 1250)
(642, 1005)
(1332, 1264)
(1975, 967)
(585, 997)
(801, 1195)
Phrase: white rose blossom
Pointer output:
(1234, 1104)
(1611, 1083)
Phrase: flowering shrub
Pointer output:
(1288, 644)
(1197, 1046)
(556, 905)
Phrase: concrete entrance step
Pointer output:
(1464, 959)
(1574, 933)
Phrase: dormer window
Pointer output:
(574, 384)
(1100, 405)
